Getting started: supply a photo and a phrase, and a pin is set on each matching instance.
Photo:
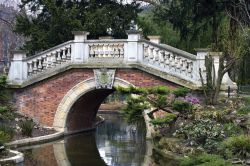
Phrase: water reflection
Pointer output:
(115, 143)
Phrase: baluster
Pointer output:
(39, 67)
(190, 66)
(121, 46)
(34, 66)
(184, 64)
(49, 60)
(101, 50)
(44, 64)
(53, 59)
(156, 55)
(105, 50)
(145, 51)
(167, 58)
(178, 62)
(114, 46)
(116, 51)
(63, 54)
(151, 55)
(68, 56)
(162, 56)
(172, 60)
(58, 57)
(91, 51)
(30, 70)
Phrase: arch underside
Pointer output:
(77, 110)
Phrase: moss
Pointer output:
(204, 160)
(165, 120)
(181, 92)
(237, 146)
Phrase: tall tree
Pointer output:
(48, 23)
(194, 16)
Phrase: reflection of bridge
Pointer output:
(65, 85)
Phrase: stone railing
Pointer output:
(109, 49)
(170, 60)
(49, 59)
(134, 51)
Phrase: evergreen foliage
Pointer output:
(49, 23)
(237, 146)
(204, 160)
(139, 99)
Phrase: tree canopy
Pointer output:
(49, 23)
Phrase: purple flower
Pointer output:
(192, 99)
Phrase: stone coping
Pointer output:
(35, 140)
(68, 66)
(18, 158)
(50, 137)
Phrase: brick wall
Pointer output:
(40, 100)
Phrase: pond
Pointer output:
(114, 143)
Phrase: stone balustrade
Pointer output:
(170, 60)
(134, 51)
(48, 59)
(108, 49)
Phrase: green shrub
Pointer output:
(27, 127)
(163, 90)
(8, 130)
(232, 129)
(160, 101)
(246, 100)
(237, 146)
(165, 120)
(4, 137)
(182, 106)
(133, 109)
(181, 92)
(244, 110)
(3, 109)
(204, 160)
(202, 132)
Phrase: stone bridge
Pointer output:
(64, 86)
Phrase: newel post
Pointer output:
(200, 64)
(18, 69)
(134, 50)
(79, 51)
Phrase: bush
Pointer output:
(3, 109)
(182, 106)
(204, 132)
(237, 146)
(232, 129)
(165, 120)
(243, 110)
(27, 127)
(204, 160)
(4, 137)
(8, 130)
(181, 92)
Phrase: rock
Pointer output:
(237, 161)
(247, 162)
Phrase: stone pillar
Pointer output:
(18, 69)
(155, 39)
(133, 53)
(79, 52)
(226, 80)
(200, 64)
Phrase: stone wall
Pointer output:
(40, 100)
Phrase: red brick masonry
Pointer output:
(40, 100)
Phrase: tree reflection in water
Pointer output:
(114, 143)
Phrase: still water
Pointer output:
(114, 143)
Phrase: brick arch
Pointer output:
(73, 95)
